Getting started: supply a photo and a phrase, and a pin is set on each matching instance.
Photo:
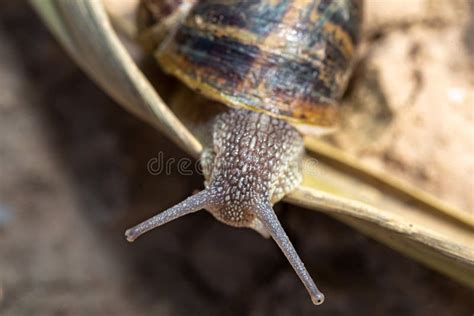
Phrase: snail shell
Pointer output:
(289, 59)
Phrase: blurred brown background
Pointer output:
(73, 177)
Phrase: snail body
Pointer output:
(281, 67)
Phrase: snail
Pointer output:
(280, 67)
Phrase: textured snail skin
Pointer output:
(256, 159)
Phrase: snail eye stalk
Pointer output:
(192, 204)
(269, 219)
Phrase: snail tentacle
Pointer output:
(192, 204)
(269, 219)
